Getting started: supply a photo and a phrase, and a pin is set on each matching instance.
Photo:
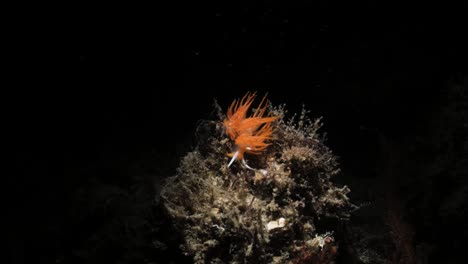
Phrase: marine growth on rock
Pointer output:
(272, 210)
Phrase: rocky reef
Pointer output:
(273, 213)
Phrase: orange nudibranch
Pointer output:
(248, 133)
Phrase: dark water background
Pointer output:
(386, 78)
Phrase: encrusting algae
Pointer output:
(286, 210)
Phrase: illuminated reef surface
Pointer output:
(284, 210)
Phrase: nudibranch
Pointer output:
(249, 133)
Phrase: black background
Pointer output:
(143, 76)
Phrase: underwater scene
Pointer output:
(248, 132)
